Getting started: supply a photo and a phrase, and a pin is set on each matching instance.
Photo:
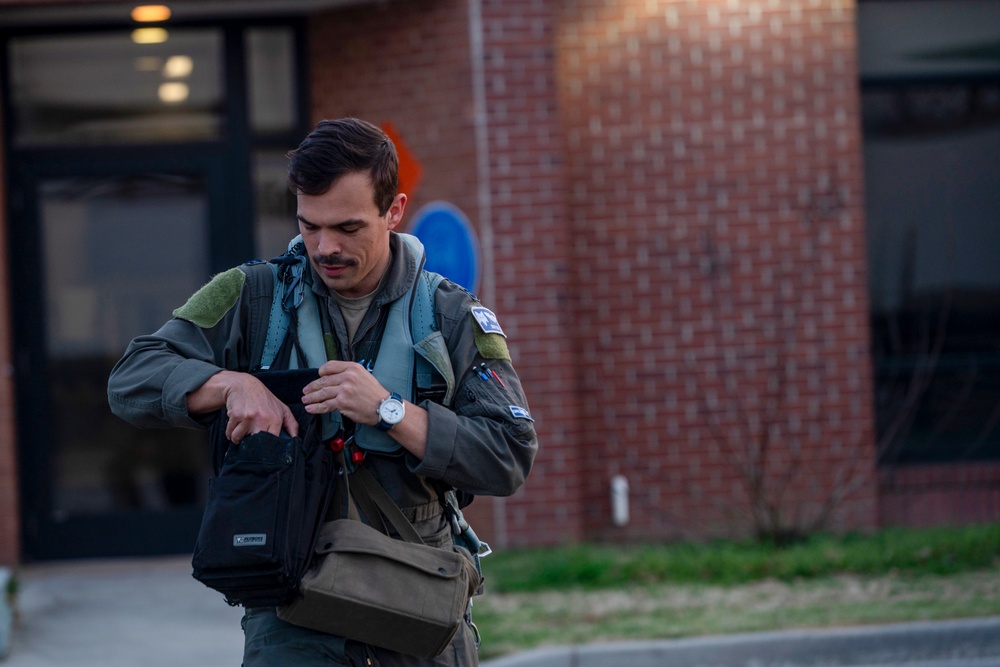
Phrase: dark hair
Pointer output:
(338, 147)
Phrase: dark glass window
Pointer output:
(106, 279)
(138, 164)
(931, 113)
(117, 88)
(271, 79)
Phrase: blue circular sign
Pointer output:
(450, 242)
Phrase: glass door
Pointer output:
(138, 164)
(119, 251)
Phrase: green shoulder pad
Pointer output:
(208, 306)
(490, 345)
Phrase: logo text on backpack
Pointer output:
(250, 540)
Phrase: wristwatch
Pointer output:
(390, 412)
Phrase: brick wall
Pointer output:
(671, 215)
(533, 246)
(417, 65)
(713, 154)
(407, 64)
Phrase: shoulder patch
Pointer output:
(520, 413)
(490, 339)
(208, 306)
(486, 320)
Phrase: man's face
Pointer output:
(346, 238)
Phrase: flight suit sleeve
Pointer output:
(485, 442)
(149, 385)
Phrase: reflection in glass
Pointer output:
(104, 88)
(275, 204)
(931, 113)
(271, 79)
(121, 253)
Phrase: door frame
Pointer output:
(125, 532)
(226, 165)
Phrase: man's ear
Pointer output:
(395, 212)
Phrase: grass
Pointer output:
(596, 592)
(928, 551)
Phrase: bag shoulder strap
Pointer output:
(375, 502)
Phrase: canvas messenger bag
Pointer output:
(398, 594)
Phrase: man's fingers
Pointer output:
(254, 409)
(335, 367)
(237, 430)
(290, 423)
(233, 431)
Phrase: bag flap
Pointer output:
(263, 447)
(348, 536)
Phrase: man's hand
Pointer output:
(249, 404)
(349, 388)
(346, 387)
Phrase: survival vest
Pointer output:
(411, 350)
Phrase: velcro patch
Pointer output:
(490, 339)
(491, 346)
(209, 305)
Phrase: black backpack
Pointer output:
(266, 504)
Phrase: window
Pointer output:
(271, 80)
(107, 88)
(931, 113)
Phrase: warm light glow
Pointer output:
(150, 13)
(149, 35)
(173, 92)
(178, 67)
(148, 63)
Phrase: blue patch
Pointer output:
(520, 413)
(488, 322)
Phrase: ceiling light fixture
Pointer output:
(173, 92)
(150, 13)
(178, 67)
(149, 35)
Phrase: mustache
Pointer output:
(333, 260)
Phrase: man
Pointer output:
(476, 436)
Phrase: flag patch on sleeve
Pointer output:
(520, 413)
(488, 322)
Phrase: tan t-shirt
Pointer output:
(353, 311)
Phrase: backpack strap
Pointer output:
(423, 324)
(277, 324)
(291, 293)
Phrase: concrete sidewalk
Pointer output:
(152, 613)
(122, 613)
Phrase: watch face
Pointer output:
(391, 411)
